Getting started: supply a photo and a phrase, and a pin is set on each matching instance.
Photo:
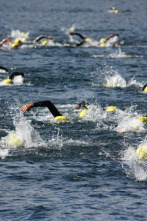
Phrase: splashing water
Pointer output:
(134, 168)
(115, 81)
(18, 34)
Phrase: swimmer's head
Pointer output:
(83, 113)
(103, 40)
(14, 141)
(88, 40)
(17, 43)
(44, 43)
(7, 81)
(143, 119)
(24, 39)
(112, 108)
(82, 104)
(102, 45)
(142, 152)
(61, 119)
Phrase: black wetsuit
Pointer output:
(50, 106)
(14, 74)
(81, 36)
(3, 68)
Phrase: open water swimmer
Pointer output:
(43, 37)
(15, 77)
(58, 117)
(16, 44)
(84, 105)
(110, 41)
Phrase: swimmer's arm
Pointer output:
(41, 37)
(48, 104)
(6, 40)
(3, 68)
(78, 34)
(111, 36)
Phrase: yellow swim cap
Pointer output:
(16, 43)
(116, 11)
(111, 108)
(143, 119)
(83, 113)
(102, 45)
(24, 39)
(88, 39)
(102, 39)
(7, 81)
(14, 141)
(61, 119)
(145, 90)
(45, 42)
(22, 33)
(142, 152)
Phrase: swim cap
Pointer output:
(14, 141)
(7, 81)
(102, 39)
(22, 33)
(116, 11)
(143, 119)
(88, 39)
(111, 108)
(24, 39)
(142, 152)
(16, 43)
(83, 113)
(145, 90)
(102, 45)
(45, 42)
(61, 119)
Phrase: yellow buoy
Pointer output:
(142, 152)
(61, 119)
(112, 108)
(83, 113)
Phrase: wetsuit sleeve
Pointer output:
(41, 37)
(111, 36)
(78, 34)
(14, 74)
(50, 106)
(3, 68)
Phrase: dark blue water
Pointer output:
(83, 169)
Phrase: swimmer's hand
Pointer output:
(50, 37)
(26, 108)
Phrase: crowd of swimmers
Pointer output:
(110, 41)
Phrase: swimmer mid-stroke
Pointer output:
(54, 111)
